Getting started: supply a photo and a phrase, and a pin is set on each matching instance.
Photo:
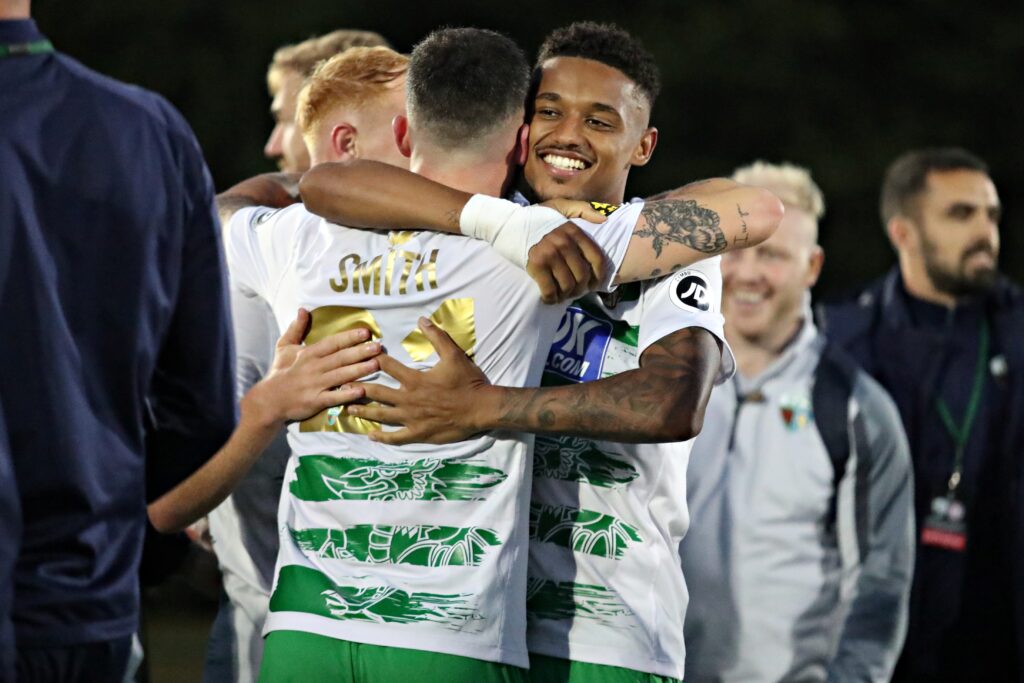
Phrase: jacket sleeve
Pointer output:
(191, 399)
(876, 538)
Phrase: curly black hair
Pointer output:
(462, 82)
(608, 44)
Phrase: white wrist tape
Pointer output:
(511, 229)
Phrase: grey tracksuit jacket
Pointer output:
(794, 577)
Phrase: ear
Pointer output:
(644, 150)
(343, 142)
(901, 232)
(522, 144)
(817, 261)
(400, 128)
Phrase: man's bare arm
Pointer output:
(275, 190)
(663, 400)
(690, 224)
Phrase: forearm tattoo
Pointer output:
(682, 221)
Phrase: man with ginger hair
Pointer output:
(290, 67)
(344, 111)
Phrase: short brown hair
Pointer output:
(303, 57)
(354, 78)
(907, 177)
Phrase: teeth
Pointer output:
(748, 297)
(564, 162)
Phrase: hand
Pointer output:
(576, 208)
(199, 533)
(305, 380)
(566, 264)
(432, 406)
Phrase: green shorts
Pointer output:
(553, 670)
(299, 657)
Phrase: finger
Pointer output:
(545, 280)
(349, 356)
(578, 266)
(339, 397)
(296, 330)
(594, 256)
(396, 438)
(563, 277)
(439, 339)
(403, 373)
(350, 373)
(381, 393)
(386, 415)
(592, 215)
(338, 341)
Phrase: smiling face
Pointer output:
(589, 126)
(764, 286)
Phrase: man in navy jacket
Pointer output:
(116, 352)
(942, 332)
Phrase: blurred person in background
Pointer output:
(290, 67)
(799, 559)
(942, 332)
(10, 529)
(344, 111)
(116, 378)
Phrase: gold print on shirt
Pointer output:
(383, 275)
(454, 316)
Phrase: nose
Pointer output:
(568, 132)
(274, 149)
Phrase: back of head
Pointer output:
(907, 177)
(356, 79)
(302, 58)
(609, 45)
(464, 85)
(792, 184)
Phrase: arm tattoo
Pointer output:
(683, 221)
(637, 406)
(744, 236)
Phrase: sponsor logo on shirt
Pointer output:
(579, 347)
(690, 291)
(606, 209)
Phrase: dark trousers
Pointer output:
(88, 663)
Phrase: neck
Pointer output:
(473, 176)
(755, 354)
(15, 10)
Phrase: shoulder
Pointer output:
(850, 316)
(130, 104)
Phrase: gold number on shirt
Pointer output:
(454, 316)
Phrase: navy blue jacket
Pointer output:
(965, 607)
(115, 357)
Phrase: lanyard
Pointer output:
(37, 47)
(960, 433)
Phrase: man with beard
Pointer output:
(942, 333)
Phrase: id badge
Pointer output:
(946, 526)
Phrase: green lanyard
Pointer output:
(960, 433)
(38, 47)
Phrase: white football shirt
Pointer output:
(422, 546)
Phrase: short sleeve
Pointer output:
(688, 298)
(259, 243)
(613, 236)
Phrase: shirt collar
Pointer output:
(13, 31)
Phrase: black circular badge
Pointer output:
(690, 291)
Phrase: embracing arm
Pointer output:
(664, 400)
(267, 189)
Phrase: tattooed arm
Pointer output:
(664, 400)
(267, 189)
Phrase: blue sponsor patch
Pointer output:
(579, 348)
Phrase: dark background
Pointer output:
(841, 88)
